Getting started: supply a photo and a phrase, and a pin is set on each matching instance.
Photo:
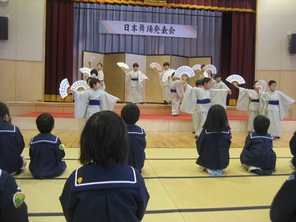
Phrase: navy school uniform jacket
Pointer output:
(11, 147)
(8, 210)
(292, 144)
(46, 156)
(258, 152)
(137, 145)
(213, 149)
(283, 207)
(94, 192)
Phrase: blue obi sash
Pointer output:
(273, 102)
(173, 90)
(94, 102)
(203, 101)
(255, 100)
(135, 79)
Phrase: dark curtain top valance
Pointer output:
(214, 5)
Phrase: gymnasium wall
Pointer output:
(21, 56)
(273, 61)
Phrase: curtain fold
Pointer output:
(58, 47)
(214, 5)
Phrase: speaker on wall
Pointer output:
(3, 28)
(292, 46)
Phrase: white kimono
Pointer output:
(197, 101)
(275, 105)
(249, 100)
(166, 93)
(134, 85)
(176, 93)
(91, 101)
(101, 78)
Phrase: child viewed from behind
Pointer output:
(292, 145)
(11, 144)
(214, 141)
(257, 155)
(105, 188)
(130, 113)
(46, 150)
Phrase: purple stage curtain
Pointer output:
(58, 47)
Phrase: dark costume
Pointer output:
(258, 152)
(292, 144)
(213, 149)
(95, 192)
(12, 205)
(11, 147)
(137, 145)
(46, 153)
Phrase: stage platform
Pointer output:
(154, 117)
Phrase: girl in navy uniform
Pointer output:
(130, 113)
(257, 155)
(46, 151)
(11, 144)
(12, 205)
(292, 145)
(105, 188)
(214, 141)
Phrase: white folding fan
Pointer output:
(168, 73)
(196, 67)
(155, 65)
(64, 85)
(122, 65)
(211, 67)
(262, 85)
(80, 84)
(90, 59)
(184, 70)
(85, 70)
(235, 78)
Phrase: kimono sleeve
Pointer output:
(285, 103)
(108, 101)
(80, 104)
(219, 96)
(243, 99)
(189, 100)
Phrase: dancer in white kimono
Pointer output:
(176, 93)
(274, 105)
(166, 94)
(92, 100)
(249, 100)
(134, 83)
(197, 101)
(101, 76)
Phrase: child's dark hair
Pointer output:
(202, 66)
(198, 83)
(166, 64)
(45, 123)
(88, 79)
(217, 76)
(135, 65)
(254, 83)
(271, 82)
(130, 113)
(3, 110)
(92, 82)
(205, 80)
(261, 124)
(217, 119)
(104, 139)
(100, 64)
(94, 71)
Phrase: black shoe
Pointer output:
(176, 115)
(277, 137)
(165, 102)
(193, 132)
(262, 172)
(196, 137)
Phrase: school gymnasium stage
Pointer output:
(179, 190)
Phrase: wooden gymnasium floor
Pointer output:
(179, 190)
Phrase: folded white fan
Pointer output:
(90, 59)
(210, 67)
(64, 85)
(79, 84)
(196, 67)
(155, 65)
(262, 85)
(167, 73)
(85, 70)
(122, 65)
(184, 70)
(235, 78)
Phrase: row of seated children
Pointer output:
(214, 142)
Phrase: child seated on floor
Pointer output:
(46, 150)
(214, 141)
(11, 144)
(105, 188)
(130, 113)
(257, 155)
(292, 145)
